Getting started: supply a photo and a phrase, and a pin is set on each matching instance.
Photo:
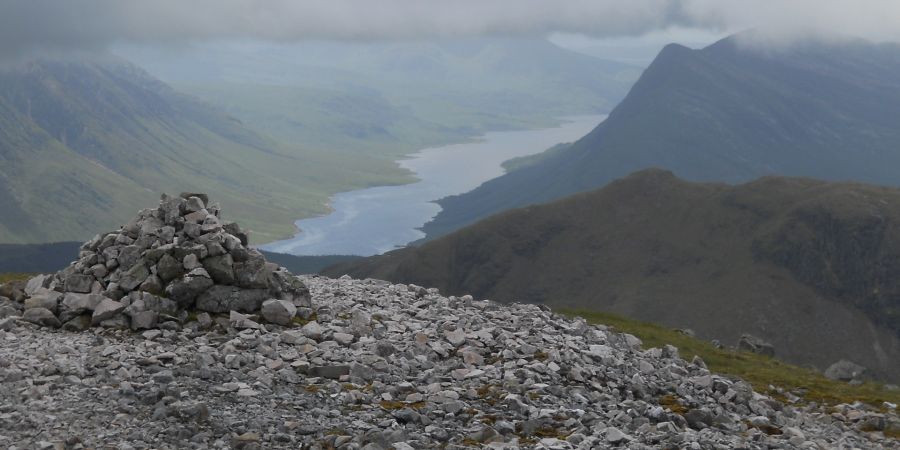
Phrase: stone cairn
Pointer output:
(162, 267)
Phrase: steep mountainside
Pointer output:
(82, 142)
(725, 113)
(807, 265)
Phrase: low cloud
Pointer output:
(28, 25)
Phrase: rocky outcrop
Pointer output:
(844, 370)
(177, 258)
(382, 366)
(753, 344)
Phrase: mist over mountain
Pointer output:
(805, 264)
(389, 98)
(728, 112)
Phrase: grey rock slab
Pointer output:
(37, 282)
(106, 309)
(343, 338)
(194, 202)
(220, 268)
(153, 284)
(186, 289)
(7, 323)
(240, 321)
(312, 330)
(252, 273)
(43, 298)
(221, 299)
(133, 277)
(455, 337)
(144, 320)
(280, 312)
(615, 436)
(79, 283)
(168, 268)
(80, 303)
(41, 316)
(78, 323)
(129, 256)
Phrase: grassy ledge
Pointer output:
(7, 277)
(766, 374)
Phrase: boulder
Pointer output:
(753, 344)
(129, 256)
(186, 289)
(220, 268)
(153, 285)
(74, 304)
(106, 309)
(41, 316)
(35, 283)
(845, 370)
(144, 320)
(44, 298)
(204, 199)
(134, 277)
(79, 283)
(168, 268)
(253, 273)
(78, 323)
(241, 322)
(279, 312)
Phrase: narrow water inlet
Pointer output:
(375, 220)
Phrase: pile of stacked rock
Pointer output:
(167, 262)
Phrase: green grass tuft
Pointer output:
(7, 277)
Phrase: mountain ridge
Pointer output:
(802, 262)
(724, 113)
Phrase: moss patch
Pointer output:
(7, 277)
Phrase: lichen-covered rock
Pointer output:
(220, 268)
(186, 289)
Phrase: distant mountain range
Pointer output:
(808, 265)
(393, 97)
(729, 112)
(279, 130)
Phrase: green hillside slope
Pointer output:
(83, 142)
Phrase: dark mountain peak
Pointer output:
(648, 179)
(726, 114)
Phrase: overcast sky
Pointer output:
(26, 25)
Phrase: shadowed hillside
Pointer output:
(808, 265)
(725, 113)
